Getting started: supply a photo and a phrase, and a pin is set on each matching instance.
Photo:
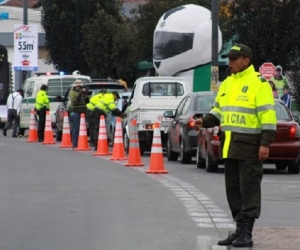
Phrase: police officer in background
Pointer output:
(244, 107)
(78, 100)
(41, 107)
(105, 105)
(89, 114)
(13, 105)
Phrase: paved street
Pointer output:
(54, 198)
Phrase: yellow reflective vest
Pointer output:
(93, 101)
(106, 103)
(41, 100)
(244, 105)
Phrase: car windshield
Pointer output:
(204, 103)
(95, 89)
(282, 112)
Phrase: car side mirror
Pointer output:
(168, 114)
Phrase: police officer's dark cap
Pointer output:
(116, 94)
(237, 51)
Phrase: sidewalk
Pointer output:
(276, 238)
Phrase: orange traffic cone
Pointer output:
(32, 128)
(66, 135)
(48, 134)
(82, 139)
(156, 158)
(118, 149)
(134, 156)
(102, 145)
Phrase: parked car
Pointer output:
(182, 138)
(284, 151)
(93, 88)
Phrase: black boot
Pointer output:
(233, 236)
(245, 237)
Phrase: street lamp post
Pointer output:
(22, 75)
(215, 45)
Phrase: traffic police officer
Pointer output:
(244, 107)
(89, 114)
(41, 106)
(105, 105)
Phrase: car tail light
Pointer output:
(293, 131)
(191, 123)
(149, 126)
(216, 133)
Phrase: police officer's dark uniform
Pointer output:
(244, 107)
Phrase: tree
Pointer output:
(62, 22)
(270, 28)
(109, 46)
(146, 18)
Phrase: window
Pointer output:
(186, 106)
(282, 112)
(204, 103)
(162, 89)
(59, 86)
(28, 88)
(180, 107)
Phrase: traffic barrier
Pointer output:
(82, 138)
(118, 148)
(48, 134)
(66, 135)
(156, 159)
(102, 145)
(32, 128)
(134, 156)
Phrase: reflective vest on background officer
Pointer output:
(89, 115)
(41, 106)
(105, 105)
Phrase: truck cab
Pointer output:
(150, 97)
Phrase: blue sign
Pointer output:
(4, 15)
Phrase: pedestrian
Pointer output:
(13, 105)
(273, 87)
(78, 100)
(104, 106)
(89, 115)
(279, 80)
(244, 107)
(41, 107)
(286, 98)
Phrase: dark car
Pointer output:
(284, 151)
(93, 87)
(182, 138)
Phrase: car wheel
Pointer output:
(126, 142)
(209, 166)
(293, 168)
(171, 156)
(200, 162)
(185, 158)
(280, 166)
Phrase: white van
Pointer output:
(57, 87)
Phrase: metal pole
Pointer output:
(25, 12)
(214, 44)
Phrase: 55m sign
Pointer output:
(26, 47)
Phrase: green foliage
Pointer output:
(269, 28)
